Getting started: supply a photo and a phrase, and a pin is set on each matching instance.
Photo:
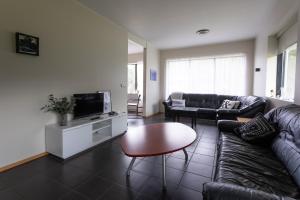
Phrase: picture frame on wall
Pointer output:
(153, 75)
(27, 44)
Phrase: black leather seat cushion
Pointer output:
(251, 166)
(207, 111)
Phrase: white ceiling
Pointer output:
(173, 23)
(134, 47)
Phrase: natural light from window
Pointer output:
(281, 74)
(135, 78)
(220, 75)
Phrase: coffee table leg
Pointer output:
(130, 166)
(186, 155)
(192, 122)
(164, 172)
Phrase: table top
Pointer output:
(157, 139)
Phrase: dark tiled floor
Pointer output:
(99, 174)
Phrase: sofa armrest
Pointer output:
(256, 107)
(228, 125)
(223, 191)
(167, 103)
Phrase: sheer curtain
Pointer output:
(221, 75)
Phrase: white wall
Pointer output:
(246, 47)
(152, 98)
(260, 61)
(80, 51)
(136, 57)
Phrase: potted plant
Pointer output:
(60, 106)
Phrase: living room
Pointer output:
(196, 55)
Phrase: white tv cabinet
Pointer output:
(81, 134)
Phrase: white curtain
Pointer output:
(223, 75)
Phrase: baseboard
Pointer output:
(21, 162)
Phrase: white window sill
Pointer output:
(279, 99)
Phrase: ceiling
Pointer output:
(134, 47)
(173, 23)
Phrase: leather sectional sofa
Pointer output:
(208, 106)
(247, 171)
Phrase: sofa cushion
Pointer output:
(178, 102)
(201, 100)
(257, 130)
(228, 104)
(252, 166)
(247, 100)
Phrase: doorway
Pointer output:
(135, 83)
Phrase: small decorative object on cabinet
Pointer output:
(60, 106)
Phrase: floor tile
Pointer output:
(94, 188)
(205, 151)
(119, 193)
(181, 155)
(135, 181)
(176, 163)
(24, 172)
(200, 169)
(73, 196)
(203, 159)
(153, 189)
(187, 194)
(40, 187)
(193, 181)
(206, 145)
(9, 195)
(208, 140)
(150, 169)
(68, 175)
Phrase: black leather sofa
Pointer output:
(208, 106)
(249, 172)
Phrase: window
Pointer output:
(221, 75)
(288, 75)
(132, 78)
(135, 78)
(281, 74)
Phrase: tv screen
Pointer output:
(88, 104)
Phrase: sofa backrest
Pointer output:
(248, 100)
(215, 101)
(221, 98)
(286, 145)
(200, 100)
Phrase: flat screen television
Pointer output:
(88, 104)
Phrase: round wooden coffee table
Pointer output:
(157, 139)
